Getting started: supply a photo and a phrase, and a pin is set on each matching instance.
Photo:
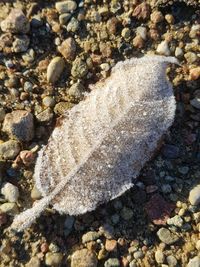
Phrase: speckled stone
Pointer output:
(9, 149)
(19, 124)
(166, 236)
(83, 258)
(66, 6)
(53, 259)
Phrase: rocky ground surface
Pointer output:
(49, 53)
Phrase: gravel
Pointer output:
(10, 192)
(143, 226)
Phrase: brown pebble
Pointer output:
(194, 74)
(3, 218)
(112, 25)
(111, 245)
(142, 11)
(68, 48)
(44, 247)
(157, 17)
(138, 42)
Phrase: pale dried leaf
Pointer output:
(103, 142)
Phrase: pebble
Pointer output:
(190, 57)
(156, 17)
(179, 52)
(159, 256)
(83, 258)
(61, 107)
(126, 213)
(3, 218)
(10, 192)
(195, 102)
(15, 22)
(73, 25)
(28, 87)
(55, 69)
(79, 68)
(34, 262)
(194, 195)
(53, 259)
(48, 101)
(170, 151)
(64, 18)
(138, 255)
(68, 49)
(90, 236)
(21, 43)
(19, 124)
(198, 245)
(45, 116)
(176, 221)
(194, 262)
(66, 6)
(69, 222)
(163, 48)
(166, 236)
(112, 262)
(172, 261)
(35, 193)
(2, 114)
(9, 208)
(9, 149)
(111, 245)
(142, 31)
(194, 73)
(166, 188)
(142, 11)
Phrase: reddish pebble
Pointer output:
(159, 210)
(44, 247)
(27, 157)
(3, 218)
(124, 262)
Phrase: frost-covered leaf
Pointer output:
(101, 144)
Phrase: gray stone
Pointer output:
(55, 69)
(66, 6)
(73, 25)
(142, 31)
(126, 213)
(76, 90)
(10, 192)
(15, 22)
(194, 195)
(53, 259)
(9, 208)
(176, 221)
(45, 116)
(21, 43)
(69, 222)
(79, 68)
(112, 262)
(195, 102)
(19, 125)
(90, 236)
(166, 236)
(9, 149)
(166, 188)
(83, 258)
(48, 101)
(159, 256)
(172, 261)
(194, 262)
(64, 18)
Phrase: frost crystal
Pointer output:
(101, 144)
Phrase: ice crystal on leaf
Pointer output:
(101, 144)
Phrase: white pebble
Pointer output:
(194, 196)
(163, 48)
(10, 192)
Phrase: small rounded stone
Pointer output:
(10, 192)
(55, 69)
(48, 101)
